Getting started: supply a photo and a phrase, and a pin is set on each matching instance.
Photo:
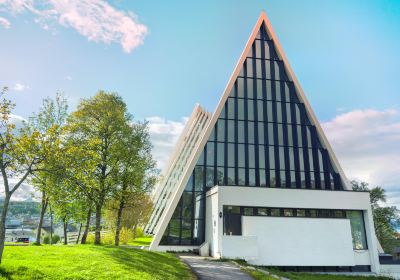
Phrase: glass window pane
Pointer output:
(249, 67)
(252, 161)
(231, 131)
(231, 155)
(272, 178)
(258, 48)
(221, 154)
(209, 177)
(198, 207)
(261, 157)
(269, 111)
(240, 109)
(220, 176)
(278, 91)
(281, 158)
(250, 129)
(310, 158)
(260, 133)
(252, 177)
(210, 153)
(288, 212)
(241, 174)
(267, 69)
(248, 211)
(259, 89)
(241, 155)
(271, 157)
(198, 178)
(290, 135)
(231, 177)
(231, 108)
(262, 212)
(263, 183)
(288, 113)
(283, 178)
(279, 111)
(241, 132)
(280, 135)
(189, 185)
(269, 89)
(221, 130)
(301, 159)
(266, 49)
(250, 110)
(301, 213)
(357, 229)
(258, 68)
(275, 212)
(270, 134)
(240, 87)
(291, 159)
(231, 209)
(277, 70)
(250, 88)
(260, 110)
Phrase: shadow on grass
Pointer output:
(21, 271)
(157, 265)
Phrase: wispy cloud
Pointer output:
(68, 78)
(367, 143)
(96, 20)
(5, 23)
(20, 87)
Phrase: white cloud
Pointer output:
(20, 87)
(96, 20)
(68, 78)
(5, 23)
(164, 134)
(367, 143)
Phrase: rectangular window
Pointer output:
(210, 177)
(231, 155)
(252, 160)
(230, 180)
(231, 108)
(231, 131)
(221, 130)
(261, 157)
(271, 157)
(242, 176)
(258, 48)
(357, 229)
(262, 212)
(278, 91)
(240, 109)
(281, 159)
(269, 89)
(241, 155)
(250, 110)
(248, 211)
(279, 112)
(249, 67)
(210, 153)
(263, 182)
(259, 89)
(275, 212)
(258, 68)
(250, 88)
(220, 176)
(241, 132)
(260, 133)
(250, 130)
(288, 212)
(270, 134)
(221, 154)
(267, 69)
(260, 110)
(280, 135)
(240, 87)
(198, 178)
(290, 135)
(301, 213)
(269, 111)
(272, 178)
(252, 177)
(291, 159)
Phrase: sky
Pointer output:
(163, 57)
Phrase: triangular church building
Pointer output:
(258, 180)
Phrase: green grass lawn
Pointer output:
(309, 276)
(141, 241)
(89, 262)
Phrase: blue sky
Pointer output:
(162, 57)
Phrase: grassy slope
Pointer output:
(141, 241)
(89, 262)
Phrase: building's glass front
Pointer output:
(263, 138)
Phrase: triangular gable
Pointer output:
(254, 90)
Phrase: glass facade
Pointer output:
(262, 138)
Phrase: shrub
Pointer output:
(126, 235)
(108, 238)
(90, 238)
(46, 239)
(139, 232)
(55, 238)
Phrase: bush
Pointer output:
(55, 239)
(139, 232)
(108, 238)
(126, 235)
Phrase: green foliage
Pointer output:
(90, 262)
(385, 218)
(54, 240)
(22, 207)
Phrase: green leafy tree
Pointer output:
(385, 217)
(21, 153)
(135, 175)
(51, 117)
(96, 128)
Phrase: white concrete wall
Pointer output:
(212, 222)
(297, 198)
(300, 241)
(239, 247)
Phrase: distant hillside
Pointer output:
(22, 208)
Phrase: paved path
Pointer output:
(208, 269)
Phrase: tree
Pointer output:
(385, 217)
(21, 153)
(96, 128)
(52, 116)
(135, 175)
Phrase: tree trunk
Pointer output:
(98, 224)
(86, 231)
(3, 224)
(51, 225)
(79, 233)
(118, 226)
(42, 212)
(65, 224)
